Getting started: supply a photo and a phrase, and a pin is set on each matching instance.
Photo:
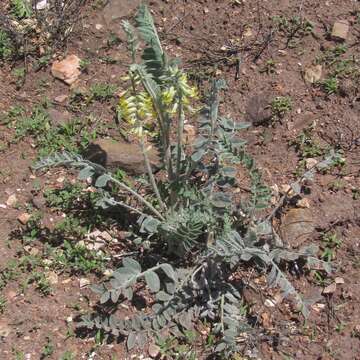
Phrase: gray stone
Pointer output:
(258, 110)
(126, 156)
(296, 226)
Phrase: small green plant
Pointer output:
(337, 185)
(2, 304)
(356, 193)
(19, 74)
(84, 65)
(306, 145)
(293, 29)
(269, 67)
(42, 62)
(19, 355)
(78, 259)
(102, 92)
(280, 106)
(178, 348)
(47, 350)
(67, 355)
(6, 46)
(42, 284)
(331, 243)
(330, 85)
(21, 9)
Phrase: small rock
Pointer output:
(340, 30)
(154, 351)
(32, 250)
(296, 226)
(98, 26)
(266, 320)
(310, 163)
(67, 70)
(339, 280)
(119, 154)
(286, 189)
(313, 74)
(69, 319)
(41, 5)
(258, 110)
(303, 203)
(108, 272)
(39, 201)
(59, 117)
(330, 289)
(61, 98)
(12, 200)
(24, 218)
(3, 206)
(5, 329)
(52, 277)
(84, 282)
(269, 303)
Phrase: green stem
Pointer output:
(180, 136)
(144, 152)
(151, 175)
(139, 197)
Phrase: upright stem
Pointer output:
(180, 136)
(146, 158)
(139, 197)
(151, 175)
(214, 110)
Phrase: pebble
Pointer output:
(330, 289)
(5, 330)
(303, 203)
(269, 303)
(60, 99)
(84, 282)
(340, 30)
(67, 70)
(12, 200)
(154, 351)
(310, 163)
(24, 218)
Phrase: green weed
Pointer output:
(331, 243)
(269, 67)
(21, 9)
(19, 75)
(47, 350)
(102, 92)
(6, 46)
(280, 106)
(67, 355)
(78, 258)
(330, 85)
(2, 304)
